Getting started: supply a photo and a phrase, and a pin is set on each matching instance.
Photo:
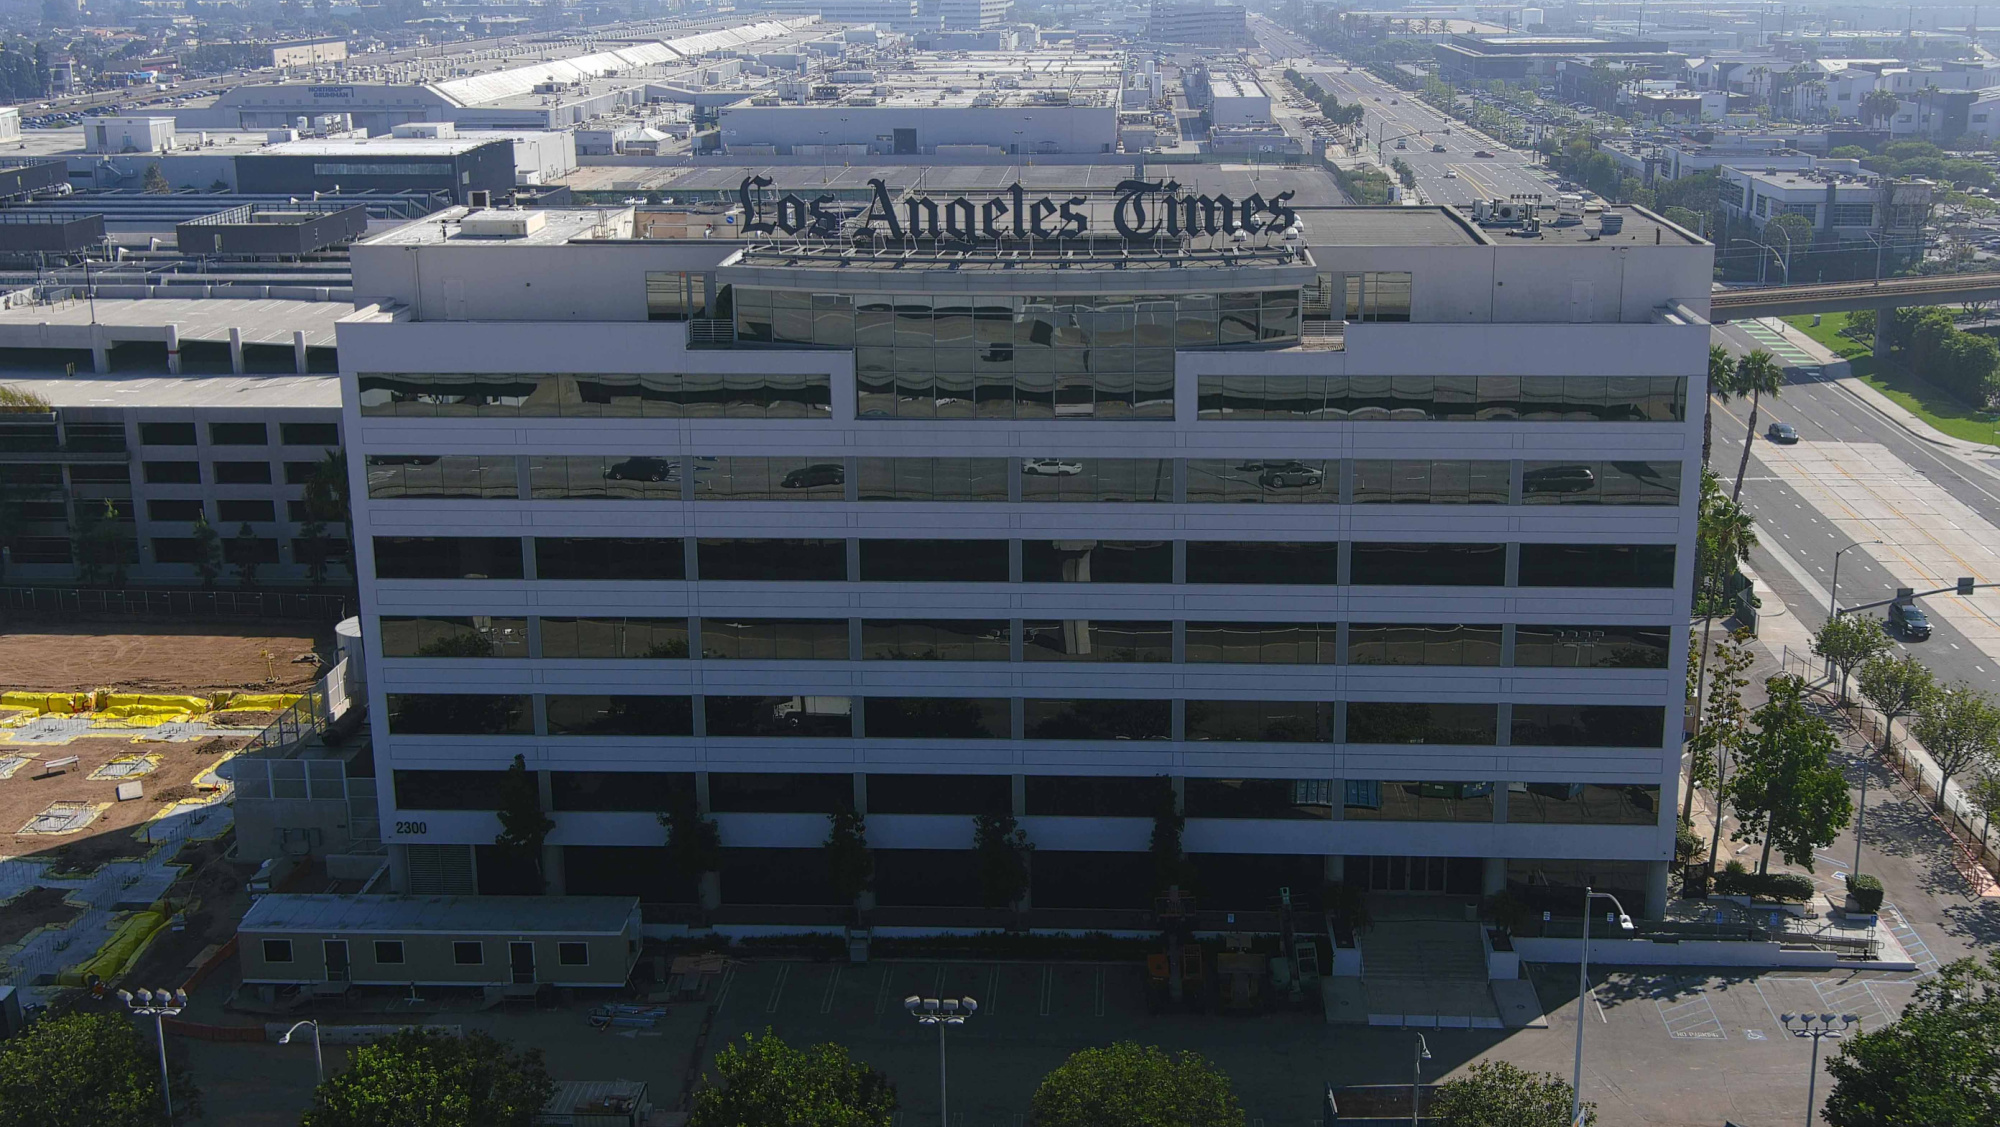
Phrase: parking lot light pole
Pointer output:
(1423, 1054)
(941, 1012)
(1833, 596)
(1583, 992)
(1817, 1027)
(319, 1061)
(159, 1005)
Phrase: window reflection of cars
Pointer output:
(1558, 479)
(643, 469)
(1289, 475)
(1051, 467)
(819, 473)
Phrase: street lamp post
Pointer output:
(319, 1061)
(1817, 1027)
(1583, 992)
(1833, 597)
(159, 1005)
(1423, 1053)
(941, 1012)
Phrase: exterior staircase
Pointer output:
(1423, 949)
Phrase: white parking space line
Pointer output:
(778, 988)
(832, 988)
(882, 992)
(1048, 989)
(992, 997)
(1098, 990)
(1692, 1020)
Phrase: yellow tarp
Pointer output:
(118, 952)
(60, 703)
(255, 702)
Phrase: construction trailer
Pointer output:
(502, 941)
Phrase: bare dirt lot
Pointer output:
(32, 909)
(156, 656)
(110, 836)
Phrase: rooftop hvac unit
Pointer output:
(1610, 223)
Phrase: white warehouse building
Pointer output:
(1369, 549)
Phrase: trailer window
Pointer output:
(573, 954)
(277, 950)
(470, 953)
(389, 951)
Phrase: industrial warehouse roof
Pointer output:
(455, 915)
(383, 146)
(483, 89)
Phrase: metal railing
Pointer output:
(139, 602)
(312, 712)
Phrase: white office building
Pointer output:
(1369, 549)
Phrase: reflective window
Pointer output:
(1597, 565)
(242, 473)
(1097, 796)
(166, 434)
(944, 639)
(1097, 561)
(769, 479)
(1097, 479)
(449, 475)
(1365, 800)
(1601, 483)
(1274, 721)
(238, 434)
(631, 395)
(620, 715)
(779, 793)
(778, 716)
(1261, 561)
(1583, 804)
(1261, 397)
(459, 714)
(940, 718)
(934, 561)
(448, 790)
(448, 557)
(620, 790)
(173, 473)
(1087, 640)
(1258, 798)
(476, 636)
(1099, 719)
(309, 434)
(675, 295)
(239, 511)
(937, 794)
(652, 638)
(1379, 295)
(1588, 725)
(592, 557)
(1265, 643)
(775, 639)
(1408, 722)
(933, 479)
(1430, 482)
(604, 477)
(1593, 647)
(1231, 480)
(772, 560)
(1370, 643)
(1429, 565)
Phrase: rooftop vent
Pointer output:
(492, 224)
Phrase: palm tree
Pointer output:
(1757, 375)
(1721, 382)
(1878, 105)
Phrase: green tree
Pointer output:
(1896, 686)
(154, 183)
(523, 825)
(86, 1070)
(101, 544)
(425, 1078)
(1002, 849)
(764, 1082)
(1960, 728)
(325, 501)
(1787, 791)
(1130, 1085)
(1757, 375)
(1170, 865)
(1721, 378)
(1494, 1093)
(1877, 106)
(694, 843)
(207, 549)
(1724, 721)
(246, 554)
(1937, 1065)
(1850, 641)
(848, 862)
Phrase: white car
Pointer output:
(1451, 174)
(1051, 467)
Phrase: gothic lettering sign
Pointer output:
(1143, 210)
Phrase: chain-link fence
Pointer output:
(167, 602)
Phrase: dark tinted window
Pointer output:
(1236, 481)
(298, 473)
(1274, 721)
(773, 560)
(235, 512)
(1368, 800)
(1583, 804)
(243, 473)
(237, 434)
(1259, 798)
(970, 639)
(775, 639)
(389, 952)
(945, 718)
(1376, 644)
(448, 636)
(1601, 483)
(166, 549)
(571, 557)
(620, 790)
(779, 792)
(620, 716)
(937, 794)
(1098, 796)
(173, 473)
(1430, 565)
(1097, 479)
(778, 716)
(1401, 722)
(1246, 561)
(934, 561)
(651, 638)
(102, 473)
(759, 478)
(1097, 561)
(166, 434)
(277, 950)
(1428, 482)
(1597, 565)
(1099, 719)
(448, 790)
(459, 714)
(473, 476)
(1593, 647)
(1086, 640)
(1268, 643)
(309, 434)
(1588, 725)
(447, 557)
(933, 479)
(173, 510)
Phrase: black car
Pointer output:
(644, 469)
(1909, 621)
(1782, 433)
(819, 473)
